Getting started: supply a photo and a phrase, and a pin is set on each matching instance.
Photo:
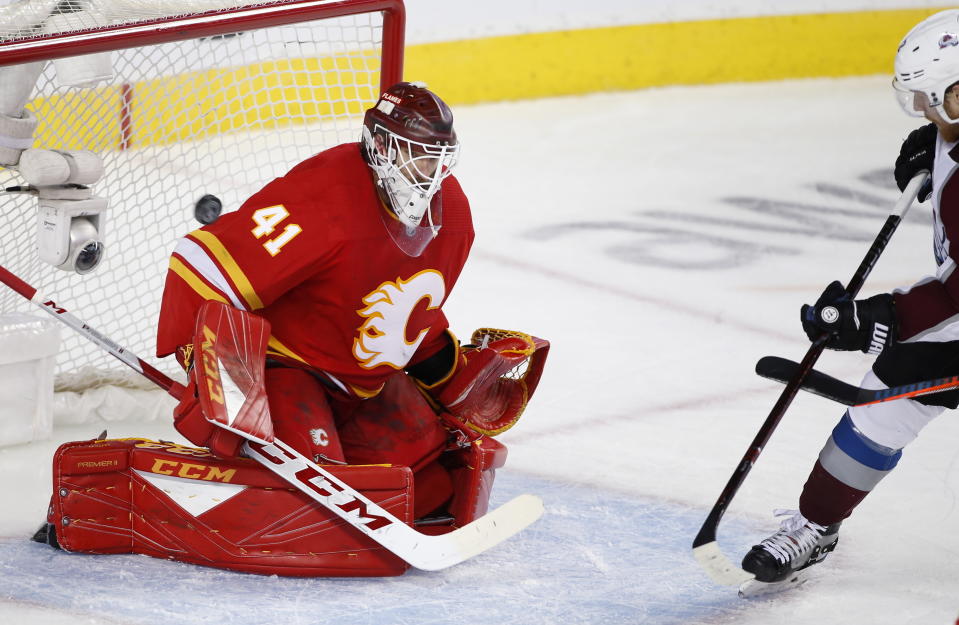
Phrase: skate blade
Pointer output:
(753, 588)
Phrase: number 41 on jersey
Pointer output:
(267, 220)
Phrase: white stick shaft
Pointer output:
(429, 553)
(92, 334)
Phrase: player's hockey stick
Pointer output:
(824, 385)
(705, 548)
(422, 551)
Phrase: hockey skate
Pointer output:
(780, 561)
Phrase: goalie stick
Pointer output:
(705, 548)
(824, 385)
(422, 551)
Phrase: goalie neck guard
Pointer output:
(410, 144)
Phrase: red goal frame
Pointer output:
(210, 23)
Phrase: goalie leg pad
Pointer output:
(398, 426)
(183, 503)
(473, 470)
(433, 487)
(302, 417)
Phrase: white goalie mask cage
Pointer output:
(411, 147)
(410, 174)
(927, 64)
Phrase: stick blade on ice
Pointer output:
(481, 535)
(720, 568)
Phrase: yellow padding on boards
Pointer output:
(647, 55)
(97, 118)
(199, 105)
(255, 97)
(272, 94)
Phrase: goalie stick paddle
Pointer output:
(824, 385)
(426, 552)
(705, 548)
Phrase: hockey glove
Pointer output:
(490, 381)
(918, 153)
(867, 325)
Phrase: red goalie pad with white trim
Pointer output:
(183, 503)
(473, 469)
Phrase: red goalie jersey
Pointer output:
(310, 253)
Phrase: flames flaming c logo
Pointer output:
(382, 337)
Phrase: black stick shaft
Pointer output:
(707, 532)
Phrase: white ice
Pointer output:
(663, 241)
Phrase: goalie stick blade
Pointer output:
(480, 535)
(720, 568)
(422, 551)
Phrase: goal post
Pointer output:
(201, 96)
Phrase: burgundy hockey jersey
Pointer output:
(310, 253)
(929, 310)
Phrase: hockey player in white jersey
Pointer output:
(913, 331)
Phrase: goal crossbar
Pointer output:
(209, 24)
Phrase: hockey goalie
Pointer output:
(313, 316)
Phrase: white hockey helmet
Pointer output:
(927, 64)
(410, 144)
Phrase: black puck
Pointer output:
(207, 209)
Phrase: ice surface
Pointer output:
(663, 241)
(596, 577)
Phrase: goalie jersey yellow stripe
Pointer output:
(279, 348)
(231, 267)
(195, 282)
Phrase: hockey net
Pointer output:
(207, 96)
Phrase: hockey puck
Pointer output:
(207, 209)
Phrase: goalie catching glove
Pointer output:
(490, 381)
(867, 325)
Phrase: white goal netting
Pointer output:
(220, 114)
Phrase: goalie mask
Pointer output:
(927, 64)
(410, 144)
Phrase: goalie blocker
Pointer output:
(183, 503)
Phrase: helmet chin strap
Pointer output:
(947, 126)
